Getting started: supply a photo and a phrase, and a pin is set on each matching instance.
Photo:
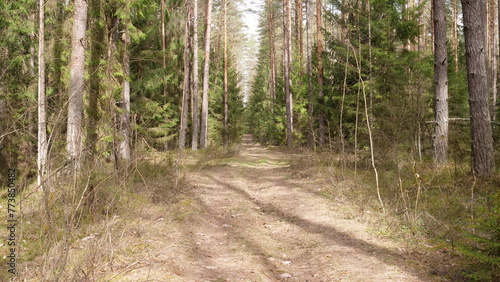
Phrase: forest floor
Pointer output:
(251, 217)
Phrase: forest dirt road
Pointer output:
(249, 219)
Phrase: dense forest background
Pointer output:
(401, 94)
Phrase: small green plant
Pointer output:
(483, 246)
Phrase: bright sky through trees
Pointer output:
(250, 10)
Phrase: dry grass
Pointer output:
(71, 230)
(439, 206)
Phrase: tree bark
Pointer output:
(32, 75)
(474, 17)
(272, 53)
(440, 82)
(75, 105)
(492, 38)
(96, 51)
(206, 67)
(321, 95)
(226, 94)
(298, 27)
(163, 46)
(455, 34)
(196, 112)
(185, 90)
(43, 146)
(287, 56)
(124, 143)
(310, 94)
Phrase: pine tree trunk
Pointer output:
(474, 13)
(321, 95)
(32, 75)
(186, 86)
(124, 143)
(164, 46)
(298, 27)
(272, 53)
(204, 105)
(76, 87)
(492, 38)
(310, 94)
(58, 50)
(43, 145)
(226, 94)
(96, 52)
(196, 112)
(455, 34)
(440, 82)
(287, 56)
(370, 62)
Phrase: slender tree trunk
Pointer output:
(96, 51)
(204, 105)
(440, 82)
(31, 71)
(58, 48)
(287, 56)
(341, 118)
(370, 62)
(164, 46)
(186, 86)
(196, 112)
(272, 54)
(43, 146)
(418, 137)
(113, 23)
(474, 13)
(226, 94)
(310, 94)
(455, 34)
(75, 105)
(298, 27)
(321, 95)
(124, 143)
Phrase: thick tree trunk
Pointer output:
(310, 94)
(196, 112)
(287, 56)
(204, 105)
(474, 13)
(492, 59)
(75, 105)
(440, 82)
(43, 145)
(186, 86)
(226, 94)
(321, 95)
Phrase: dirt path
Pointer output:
(250, 220)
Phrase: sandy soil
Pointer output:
(248, 218)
